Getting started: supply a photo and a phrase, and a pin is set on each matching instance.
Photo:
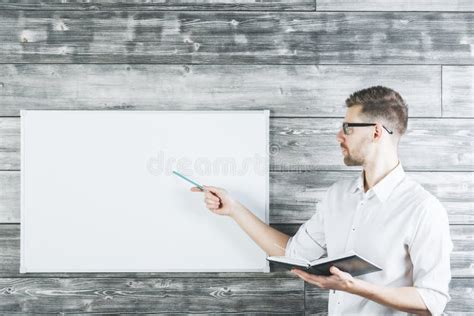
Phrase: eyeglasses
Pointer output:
(347, 131)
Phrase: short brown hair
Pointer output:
(382, 103)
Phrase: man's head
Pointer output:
(380, 106)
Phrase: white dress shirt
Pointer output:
(397, 224)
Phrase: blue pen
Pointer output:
(189, 180)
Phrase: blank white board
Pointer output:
(98, 193)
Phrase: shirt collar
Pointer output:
(359, 183)
(385, 186)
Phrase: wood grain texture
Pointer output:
(460, 290)
(395, 5)
(294, 197)
(235, 37)
(9, 143)
(461, 258)
(10, 192)
(286, 90)
(429, 144)
(123, 5)
(458, 91)
(310, 144)
(151, 295)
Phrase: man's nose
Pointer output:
(340, 136)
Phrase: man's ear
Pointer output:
(378, 131)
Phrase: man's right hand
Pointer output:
(218, 200)
(268, 238)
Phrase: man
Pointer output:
(382, 214)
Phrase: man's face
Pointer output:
(355, 146)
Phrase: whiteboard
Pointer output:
(98, 193)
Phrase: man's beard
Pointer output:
(356, 158)
(352, 161)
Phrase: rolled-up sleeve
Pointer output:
(430, 252)
(309, 242)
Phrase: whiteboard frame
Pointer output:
(23, 267)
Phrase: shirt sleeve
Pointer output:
(309, 242)
(430, 252)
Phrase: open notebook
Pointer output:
(350, 262)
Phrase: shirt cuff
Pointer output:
(435, 301)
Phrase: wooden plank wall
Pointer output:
(298, 58)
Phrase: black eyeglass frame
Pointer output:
(346, 125)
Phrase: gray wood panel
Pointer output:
(10, 262)
(460, 290)
(395, 5)
(152, 295)
(286, 90)
(9, 143)
(235, 37)
(294, 197)
(267, 5)
(429, 144)
(10, 196)
(458, 91)
(463, 252)
(461, 259)
(310, 144)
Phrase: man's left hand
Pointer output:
(338, 280)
